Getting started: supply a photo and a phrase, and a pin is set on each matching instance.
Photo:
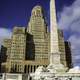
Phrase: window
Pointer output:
(38, 13)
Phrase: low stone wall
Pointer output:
(42, 76)
(11, 76)
(51, 76)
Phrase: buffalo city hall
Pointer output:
(29, 47)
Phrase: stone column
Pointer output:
(55, 63)
(54, 32)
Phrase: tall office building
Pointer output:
(7, 43)
(5, 53)
(37, 40)
(30, 47)
(61, 45)
(38, 30)
(18, 48)
(68, 54)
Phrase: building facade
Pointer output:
(5, 53)
(30, 47)
(18, 48)
(38, 43)
(61, 44)
(68, 54)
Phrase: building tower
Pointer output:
(38, 30)
(18, 48)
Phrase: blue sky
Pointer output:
(17, 13)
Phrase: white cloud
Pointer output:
(75, 70)
(70, 21)
(4, 33)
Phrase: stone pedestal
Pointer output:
(55, 65)
(56, 68)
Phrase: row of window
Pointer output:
(16, 67)
(32, 68)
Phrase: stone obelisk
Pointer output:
(54, 33)
(55, 63)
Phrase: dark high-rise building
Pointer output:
(68, 54)
(3, 58)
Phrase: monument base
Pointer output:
(55, 65)
(56, 68)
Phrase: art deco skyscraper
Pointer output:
(38, 29)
